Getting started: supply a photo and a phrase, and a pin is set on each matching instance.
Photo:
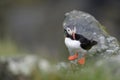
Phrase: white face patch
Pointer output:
(71, 31)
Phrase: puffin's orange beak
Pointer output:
(73, 35)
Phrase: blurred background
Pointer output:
(35, 26)
(29, 27)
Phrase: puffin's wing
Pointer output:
(85, 24)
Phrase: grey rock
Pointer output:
(89, 27)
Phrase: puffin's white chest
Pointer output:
(72, 44)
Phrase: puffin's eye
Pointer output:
(68, 30)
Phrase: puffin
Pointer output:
(80, 30)
(76, 43)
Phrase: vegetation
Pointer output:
(94, 69)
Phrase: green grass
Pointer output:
(9, 48)
(84, 74)
(90, 71)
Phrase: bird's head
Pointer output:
(71, 31)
